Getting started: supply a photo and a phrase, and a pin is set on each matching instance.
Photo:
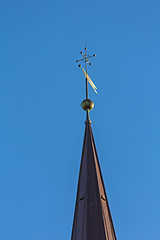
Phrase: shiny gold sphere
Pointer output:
(87, 105)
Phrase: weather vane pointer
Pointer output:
(85, 59)
(87, 104)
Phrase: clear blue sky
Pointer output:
(42, 123)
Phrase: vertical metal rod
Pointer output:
(86, 72)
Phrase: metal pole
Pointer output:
(86, 72)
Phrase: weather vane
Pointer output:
(87, 104)
(85, 59)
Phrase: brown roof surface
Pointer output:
(92, 217)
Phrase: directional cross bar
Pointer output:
(85, 58)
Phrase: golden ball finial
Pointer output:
(87, 105)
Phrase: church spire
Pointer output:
(92, 217)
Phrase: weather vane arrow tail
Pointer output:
(89, 79)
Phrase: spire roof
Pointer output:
(92, 218)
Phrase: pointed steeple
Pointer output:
(92, 217)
